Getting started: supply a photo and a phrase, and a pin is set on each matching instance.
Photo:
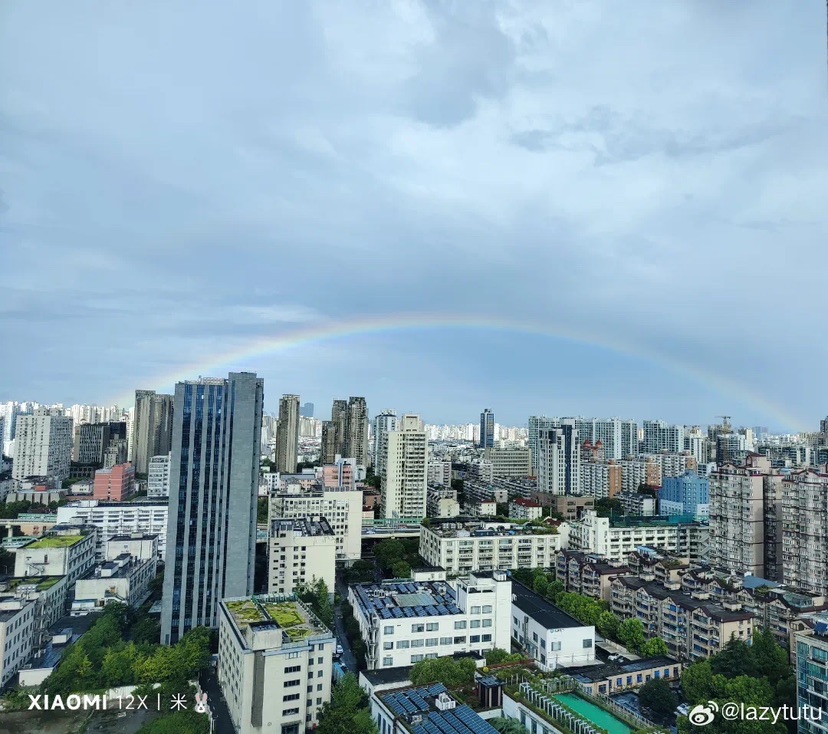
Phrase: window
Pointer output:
(416, 658)
(475, 610)
(291, 697)
(387, 645)
(445, 641)
(543, 644)
(432, 626)
(291, 683)
(474, 624)
(431, 642)
(320, 674)
(460, 625)
(293, 669)
(474, 638)
(402, 644)
(487, 638)
(387, 662)
(290, 712)
(587, 643)
(417, 643)
(487, 609)
(389, 629)
(320, 660)
(487, 622)
(459, 640)
(319, 687)
(418, 628)
(555, 647)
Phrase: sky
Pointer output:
(632, 194)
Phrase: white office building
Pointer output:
(158, 476)
(66, 550)
(405, 482)
(384, 423)
(43, 445)
(119, 518)
(301, 551)
(275, 664)
(461, 548)
(404, 622)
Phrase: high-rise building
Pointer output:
(302, 550)
(152, 428)
(384, 423)
(805, 531)
(339, 418)
(158, 476)
(327, 447)
(745, 518)
(538, 423)
(43, 445)
(356, 436)
(559, 463)
(115, 484)
(287, 434)
(91, 440)
(214, 479)
(487, 429)
(660, 436)
(306, 411)
(405, 483)
(619, 437)
(688, 494)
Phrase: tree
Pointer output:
(508, 726)
(360, 571)
(388, 552)
(608, 624)
(607, 507)
(631, 634)
(450, 671)
(769, 657)
(317, 595)
(653, 647)
(401, 570)
(347, 711)
(734, 659)
(541, 584)
(696, 682)
(262, 510)
(657, 696)
(179, 722)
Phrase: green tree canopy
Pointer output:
(653, 647)
(631, 634)
(448, 670)
(347, 711)
(657, 696)
(401, 570)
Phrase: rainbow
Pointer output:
(241, 356)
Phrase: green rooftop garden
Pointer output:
(42, 583)
(56, 541)
(296, 623)
(284, 614)
(245, 612)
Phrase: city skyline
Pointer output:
(570, 220)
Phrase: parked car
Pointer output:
(339, 650)
(617, 658)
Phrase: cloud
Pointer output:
(649, 175)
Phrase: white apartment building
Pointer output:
(403, 622)
(17, 621)
(405, 482)
(384, 423)
(638, 504)
(673, 464)
(301, 550)
(461, 548)
(547, 633)
(43, 445)
(615, 539)
(439, 472)
(341, 508)
(618, 436)
(805, 531)
(143, 546)
(125, 579)
(601, 479)
(524, 509)
(64, 551)
(158, 476)
(275, 664)
(119, 518)
(559, 459)
(512, 461)
(442, 503)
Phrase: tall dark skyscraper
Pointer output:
(287, 434)
(487, 429)
(339, 418)
(356, 437)
(151, 428)
(214, 475)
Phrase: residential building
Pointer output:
(745, 510)
(339, 418)
(275, 664)
(151, 428)
(536, 424)
(356, 436)
(66, 550)
(403, 622)
(805, 531)
(606, 680)
(158, 476)
(115, 484)
(124, 579)
(672, 464)
(143, 546)
(812, 676)
(43, 445)
(385, 423)
(306, 411)
(480, 508)
(477, 491)
(509, 461)
(119, 518)
(463, 547)
(637, 471)
(17, 620)
(302, 550)
(116, 453)
(92, 439)
(405, 483)
(570, 506)
(601, 479)
(523, 509)
(487, 429)
(618, 438)
(442, 503)
(439, 472)
(640, 505)
(614, 538)
(287, 434)
(586, 573)
(548, 634)
(688, 494)
(328, 445)
(215, 472)
(660, 436)
(425, 710)
(559, 459)
(341, 508)
(341, 474)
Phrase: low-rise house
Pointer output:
(66, 550)
(124, 579)
(613, 678)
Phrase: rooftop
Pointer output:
(432, 710)
(542, 611)
(56, 541)
(399, 599)
(132, 536)
(477, 529)
(304, 526)
(41, 583)
(286, 613)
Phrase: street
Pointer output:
(347, 659)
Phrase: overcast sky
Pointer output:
(181, 180)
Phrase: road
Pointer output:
(215, 701)
(348, 659)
